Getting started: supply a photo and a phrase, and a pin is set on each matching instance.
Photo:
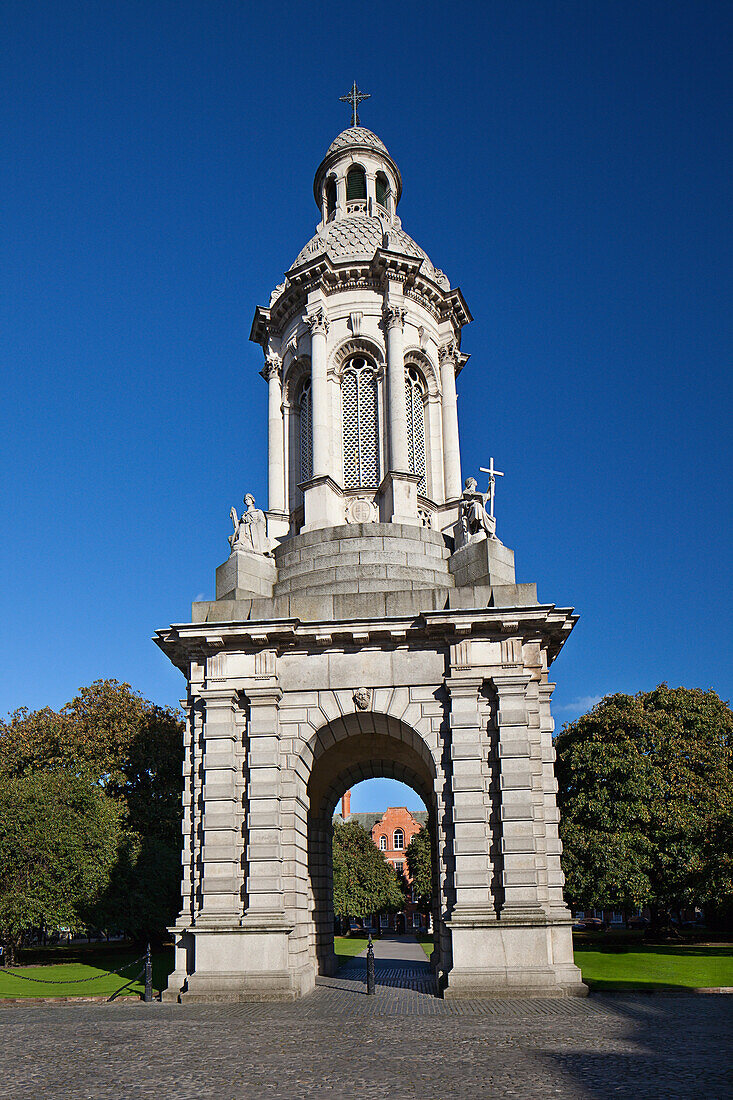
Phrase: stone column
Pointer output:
(318, 324)
(264, 890)
(272, 373)
(222, 807)
(394, 318)
(519, 759)
(469, 758)
(451, 448)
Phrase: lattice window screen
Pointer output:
(414, 400)
(361, 425)
(306, 434)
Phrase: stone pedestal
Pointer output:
(245, 574)
(247, 961)
(485, 561)
(511, 957)
(398, 498)
(323, 503)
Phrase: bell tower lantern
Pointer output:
(362, 348)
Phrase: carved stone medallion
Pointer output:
(360, 510)
(363, 698)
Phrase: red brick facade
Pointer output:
(391, 833)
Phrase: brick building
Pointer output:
(391, 831)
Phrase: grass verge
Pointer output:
(696, 967)
(107, 971)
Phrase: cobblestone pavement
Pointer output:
(401, 1044)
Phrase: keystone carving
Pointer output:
(362, 698)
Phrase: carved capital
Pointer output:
(394, 317)
(317, 322)
(448, 352)
(272, 368)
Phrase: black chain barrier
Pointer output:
(146, 973)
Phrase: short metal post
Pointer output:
(148, 994)
(371, 980)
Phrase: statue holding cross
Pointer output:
(475, 521)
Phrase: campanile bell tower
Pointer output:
(367, 623)
(362, 350)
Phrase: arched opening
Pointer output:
(381, 189)
(330, 198)
(360, 418)
(415, 409)
(345, 752)
(305, 431)
(356, 184)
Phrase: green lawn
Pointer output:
(346, 947)
(108, 970)
(698, 966)
(610, 967)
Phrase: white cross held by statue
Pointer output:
(493, 474)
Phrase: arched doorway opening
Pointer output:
(347, 751)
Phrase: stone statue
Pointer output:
(474, 520)
(250, 532)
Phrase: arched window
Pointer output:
(415, 401)
(355, 184)
(305, 419)
(361, 424)
(383, 844)
(399, 840)
(330, 198)
(382, 187)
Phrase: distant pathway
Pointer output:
(399, 962)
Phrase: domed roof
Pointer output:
(359, 236)
(356, 135)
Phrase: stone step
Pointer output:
(336, 577)
(399, 551)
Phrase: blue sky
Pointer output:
(568, 165)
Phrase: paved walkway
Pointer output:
(401, 1044)
(399, 963)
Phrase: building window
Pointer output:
(382, 187)
(330, 198)
(399, 867)
(305, 418)
(355, 184)
(361, 424)
(415, 402)
(399, 840)
(383, 844)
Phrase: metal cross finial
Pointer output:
(493, 474)
(355, 97)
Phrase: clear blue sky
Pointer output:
(568, 165)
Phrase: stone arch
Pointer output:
(356, 345)
(416, 357)
(340, 754)
(294, 373)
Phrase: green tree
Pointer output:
(419, 858)
(363, 881)
(132, 750)
(59, 836)
(645, 788)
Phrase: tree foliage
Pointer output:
(110, 739)
(59, 836)
(646, 801)
(419, 859)
(363, 881)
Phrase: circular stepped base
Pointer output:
(366, 557)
